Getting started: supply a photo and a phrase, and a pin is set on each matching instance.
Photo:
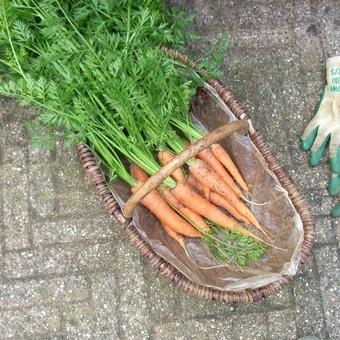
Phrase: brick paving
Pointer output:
(67, 272)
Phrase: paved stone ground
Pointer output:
(66, 271)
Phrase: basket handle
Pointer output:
(155, 180)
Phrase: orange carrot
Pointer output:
(194, 218)
(177, 237)
(207, 156)
(186, 195)
(217, 199)
(242, 209)
(164, 158)
(138, 173)
(203, 174)
(209, 178)
(225, 159)
(158, 206)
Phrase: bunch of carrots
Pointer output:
(184, 208)
(96, 69)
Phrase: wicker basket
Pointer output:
(165, 268)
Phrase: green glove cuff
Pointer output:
(336, 211)
(334, 185)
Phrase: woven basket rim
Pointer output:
(165, 268)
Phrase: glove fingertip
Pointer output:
(304, 145)
(334, 185)
(335, 165)
(335, 161)
(307, 143)
(315, 159)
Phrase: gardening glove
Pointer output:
(325, 126)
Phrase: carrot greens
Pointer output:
(95, 68)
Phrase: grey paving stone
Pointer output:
(41, 178)
(12, 133)
(250, 326)
(301, 91)
(309, 313)
(133, 306)
(282, 325)
(195, 329)
(79, 321)
(309, 46)
(191, 307)
(164, 299)
(11, 111)
(250, 38)
(282, 299)
(308, 268)
(309, 178)
(81, 201)
(105, 302)
(73, 230)
(7, 109)
(248, 63)
(69, 172)
(327, 262)
(267, 14)
(327, 203)
(206, 21)
(98, 256)
(261, 97)
(315, 199)
(336, 224)
(15, 209)
(324, 230)
(33, 322)
(257, 307)
(13, 154)
(326, 14)
(18, 294)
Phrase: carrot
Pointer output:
(216, 199)
(243, 210)
(225, 159)
(186, 195)
(164, 158)
(209, 178)
(138, 173)
(219, 200)
(203, 174)
(207, 156)
(161, 209)
(194, 218)
(177, 237)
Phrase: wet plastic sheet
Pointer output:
(279, 218)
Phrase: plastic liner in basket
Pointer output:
(279, 218)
